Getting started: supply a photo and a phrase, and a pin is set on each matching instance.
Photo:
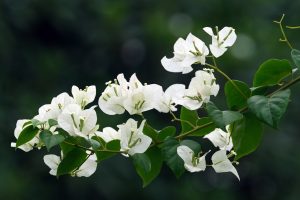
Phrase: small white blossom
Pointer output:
(221, 163)
(111, 101)
(108, 134)
(84, 97)
(133, 139)
(201, 87)
(85, 170)
(220, 138)
(19, 128)
(192, 162)
(78, 122)
(171, 97)
(220, 42)
(186, 52)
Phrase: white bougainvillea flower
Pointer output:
(19, 128)
(84, 97)
(173, 96)
(108, 134)
(220, 138)
(221, 41)
(85, 170)
(112, 99)
(143, 98)
(201, 87)
(186, 52)
(52, 161)
(192, 162)
(221, 163)
(78, 122)
(133, 139)
(59, 102)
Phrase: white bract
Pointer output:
(192, 162)
(78, 122)
(171, 97)
(112, 99)
(132, 96)
(85, 170)
(201, 87)
(221, 163)
(133, 139)
(53, 110)
(221, 41)
(186, 53)
(19, 128)
(220, 138)
(84, 97)
(108, 134)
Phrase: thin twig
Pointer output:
(284, 39)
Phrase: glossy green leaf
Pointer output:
(73, 160)
(150, 131)
(113, 145)
(271, 72)
(271, 109)
(156, 160)
(190, 116)
(170, 156)
(195, 146)
(222, 118)
(236, 100)
(51, 140)
(141, 162)
(246, 135)
(168, 131)
(27, 134)
(207, 126)
(52, 122)
(296, 57)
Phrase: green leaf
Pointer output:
(222, 118)
(52, 122)
(156, 160)
(36, 123)
(246, 135)
(151, 132)
(270, 110)
(141, 162)
(27, 134)
(271, 72)
(296, 57)
(95, 144)
(190, 116)
(207, 129)
(168, 131)
(51, 140)
(113, 145)
(235, 100)
(66, 146)
(192, 145)
(73, 160)
(169, 152)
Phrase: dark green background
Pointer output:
(46, 46)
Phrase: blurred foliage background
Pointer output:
(47, 46)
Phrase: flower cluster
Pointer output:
(68, 116)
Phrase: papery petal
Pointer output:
(222, 164)
(142, 146)
(52, 161)
(87, 168)
(217, 51)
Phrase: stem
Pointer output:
(227, 77)
(285, 39)
(292, 27)
(180, 120)
(91, 150)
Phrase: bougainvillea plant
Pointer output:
(70, 122)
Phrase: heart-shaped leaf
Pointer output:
(271, 109)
